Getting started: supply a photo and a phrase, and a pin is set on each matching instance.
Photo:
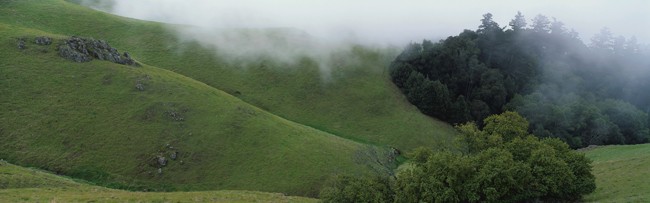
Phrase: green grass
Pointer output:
(87, 120)
(275, 127)
(31, 185)
(622, 173)
(358, 102)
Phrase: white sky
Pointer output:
(392, 21)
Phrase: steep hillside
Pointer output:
(111, 124)
(29, 185)
(357, 102)
(621, 173)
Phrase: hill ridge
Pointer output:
(173, 110)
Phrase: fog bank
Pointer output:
(385, 21)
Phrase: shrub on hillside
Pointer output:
(500, 163)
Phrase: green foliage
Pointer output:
(508, 125)
(582, 95)
(581, 122)
(444, 177)
(501, 178)
(353, 189)
(517, 168)
(476, 140)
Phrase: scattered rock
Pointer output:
(176, 116)
(83, 50)
(139, 86)
(174, 155)
(395, 151)
(162, 161)
(75, 49)
(159, 171)
(43, 40)
(140, 82)
(21, 44)
(127, 60)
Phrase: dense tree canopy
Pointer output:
(500, 163)
(581, 94)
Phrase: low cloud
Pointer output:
(245, 28)
(389, 21)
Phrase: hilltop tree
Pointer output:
(488, 25)
(541, 24)
(603, 40)
(557, 27)
(518, 23)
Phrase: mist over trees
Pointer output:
(583, 94)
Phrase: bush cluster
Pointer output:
(500, 163)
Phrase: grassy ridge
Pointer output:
(88, 120)
(30, 185)
(621, 172)
(358, 102)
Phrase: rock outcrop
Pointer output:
(84, 50)
(21, 44)
(43, 40)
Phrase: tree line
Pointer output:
(583, 94)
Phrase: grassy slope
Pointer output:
(359, 103)
(87, 120)
(622, 173)
(29, 185)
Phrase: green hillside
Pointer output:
(359, 102)
(30, 185)
(276, 126)
(88, 120)
(621, 172)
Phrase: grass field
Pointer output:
(87, 120)
(359, 102)
(275, 127)
(622, 173)
(31, 185)
(252, 124)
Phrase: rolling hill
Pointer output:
(360, 102)
(88, 120)
(31, 185)
(275, 127)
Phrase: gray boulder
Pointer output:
(21, 44)
(43, 40)
(139, 86)
(162, 161)
(84, 50)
